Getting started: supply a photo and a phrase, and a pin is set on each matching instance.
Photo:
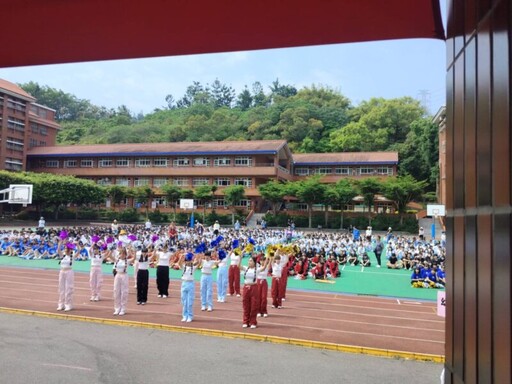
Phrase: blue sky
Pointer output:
(359, 71)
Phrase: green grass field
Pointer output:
(373, 281)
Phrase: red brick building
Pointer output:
(24, 125)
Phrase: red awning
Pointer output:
(61, 31)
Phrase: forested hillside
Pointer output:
(311, 119)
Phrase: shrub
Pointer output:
(157, 217)
(129, 215)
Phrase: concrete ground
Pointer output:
(34, 349)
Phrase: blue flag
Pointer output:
(192, 220)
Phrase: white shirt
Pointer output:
(120, 266)
(249, 275)
(262, 273)
(65, 262)
(207, 266)
(188, 273)
(277, 269)
(163, 258)
(42, 223)
(234, 259)
(96, 259)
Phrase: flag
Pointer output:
(192, 220)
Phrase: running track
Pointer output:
(323, 320)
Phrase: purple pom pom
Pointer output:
(154, 238)
(110, 240)
(132, 237)
(63, 235)
(70, 246)
(95, 239)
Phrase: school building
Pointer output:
(193, 164)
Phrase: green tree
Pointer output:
(310, 191)
(233, 194)
(342, 194)
(274, 192)
(172, 194)
(142, 194)
(368, 188)
(402, 190)
(205, 193)
(116, 194)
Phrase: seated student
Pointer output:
(407, 261)
(441, 277)
(333, 268)
(318, 272)
(393, 262)
(365, 261)
(352, 258)
(316, 259)
(4, 245)
(342, 258)
(30, 249)
(299, 270)
(431, 279)
(83, 253)
(417, 280)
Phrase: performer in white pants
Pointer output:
(96, 275)
(222, 276)
(66, 277)
(121, 282)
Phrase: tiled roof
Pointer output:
(345, 158)
(14, 89)
(154, 149)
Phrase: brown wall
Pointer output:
(478, 193)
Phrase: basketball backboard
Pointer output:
(17, 194)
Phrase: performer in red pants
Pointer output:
(234, 273)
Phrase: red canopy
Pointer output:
(60, 31)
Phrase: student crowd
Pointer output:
(271, 253)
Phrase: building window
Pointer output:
(245, 181)
(160, 162)
(160, 201)
(43, 131)
(52, 164)
(384, 171)
(302, 171)
(122, 162)
(32, 143)
(302, 207)
(104, 163)
(342, 171)
(222, 162)
(180, 181)
(141, 181)
(87, 163)
(13, 164)
(159, 181)
(15, 124)
(14, 144)
(366, 171)
(70, 163)
(143, 162)
(243, 161)
(123, 181)
(197, 181)
(181, 162)
(244, 203)
(323, 171)
(34, 128)
(219, 203)
(42, 143)
(105, 181)
(201, 162)
(223, 181)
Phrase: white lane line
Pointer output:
(67, 366)
(398, 301)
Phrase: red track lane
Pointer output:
(365, 321)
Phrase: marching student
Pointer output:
(207, 265)
(121, 281)
(189, 266)
(143, 260)
(275, 289)
(234, 272)
(261, 281)
(222, 276)
(96, 275)
(162, 270)
(66, 277)
(251, 299)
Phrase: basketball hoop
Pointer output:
(17, 194)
